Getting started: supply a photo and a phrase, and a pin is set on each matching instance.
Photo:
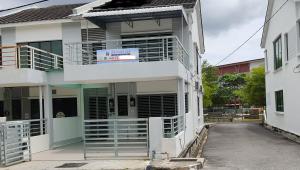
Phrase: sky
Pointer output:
(227, 24)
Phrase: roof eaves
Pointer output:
(266, 25)
(133, 11)
(87, 7)
(42, 22)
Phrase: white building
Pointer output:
(282, 48)
(121, 77)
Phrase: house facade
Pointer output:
(240, 67)
(121, 77)
(281, 43)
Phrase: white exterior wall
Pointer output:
(283, 79)
(34, 33)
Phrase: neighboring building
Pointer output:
(121, 76)
(240, 67)
(282, 46)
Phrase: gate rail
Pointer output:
(116, 137)
(14, 143)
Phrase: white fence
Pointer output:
(150, 49)
(116, 138)
(24, 56)
(172, 126)
(14, 143)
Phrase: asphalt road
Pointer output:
(249, 146)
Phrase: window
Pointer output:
(286, 40)
(64, 107)
(157, 105)
(279, 101)
(266, 61)
(186, 102)
(277, 53)
(50, 46)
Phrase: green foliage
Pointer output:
(228, 84)
(210, 83)
(253, 93)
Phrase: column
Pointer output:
(41, 110)
(49, 112)
(180, 97)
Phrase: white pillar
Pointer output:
(180, 97)
(81, 108)
(41, 109)
(155, 137)
(49, 112)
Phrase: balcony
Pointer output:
(23, 65)
(123, 60)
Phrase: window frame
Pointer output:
(286, 45)
(277, 46)
(279, 101)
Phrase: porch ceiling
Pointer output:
(135, 14)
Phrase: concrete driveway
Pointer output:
(249, 146)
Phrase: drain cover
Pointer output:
(71, 165)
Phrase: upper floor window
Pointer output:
(54, 47)
(286, 42)
(277, 53)
(279, 101)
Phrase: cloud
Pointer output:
(219, 46)
(222, 15)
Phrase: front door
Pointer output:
(123, 109)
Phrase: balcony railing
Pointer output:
(24, 56)
(150, 49)
(172, 126)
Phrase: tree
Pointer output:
(253, 92)
(210, 83)
(228, 84)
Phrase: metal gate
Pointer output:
(14, 143)
(116, 138)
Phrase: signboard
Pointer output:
(117, 55)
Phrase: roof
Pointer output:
(241, 62)
(266, 26)
(40, 14)
(109, 5)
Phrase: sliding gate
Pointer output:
(116, 138)
(14, 143)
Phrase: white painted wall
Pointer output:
(152, 87)
(67, 130)
(124, 72)
(39, 143)
(33, 33)
(283, 79)
(21, 77)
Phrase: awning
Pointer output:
(135, 14)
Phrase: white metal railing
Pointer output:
(37, 126)
(14, 142)
(151, 49)
(115, 136)
(24, 56)
(172, 126)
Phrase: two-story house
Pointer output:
(122, 77)
(282, 48)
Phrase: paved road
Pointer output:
(249, 146)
